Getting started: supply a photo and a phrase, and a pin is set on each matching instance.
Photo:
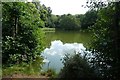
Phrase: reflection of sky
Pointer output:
(57, 51)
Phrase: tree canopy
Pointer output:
(68, 22)
(22, 37)
(106, 42)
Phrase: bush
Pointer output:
(76, 67)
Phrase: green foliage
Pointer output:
(22, 37)
(76, 67)
(75, 22)
(69, 22)
(45, 15)
(88, 19)
(106, 44)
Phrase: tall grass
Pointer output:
(32, 68)
(51, 73)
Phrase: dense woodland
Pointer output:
(23, 39)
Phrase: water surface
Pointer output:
(60, 43)
(69, 37)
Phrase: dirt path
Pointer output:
(33, 77)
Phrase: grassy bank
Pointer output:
(22, 71)
(48, 29)
(53, 29)
(19, 69)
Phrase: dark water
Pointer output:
(59, 43)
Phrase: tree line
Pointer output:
(74, 22)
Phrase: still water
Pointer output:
(60, 43)
(69, 37)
